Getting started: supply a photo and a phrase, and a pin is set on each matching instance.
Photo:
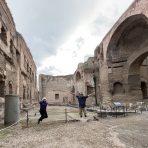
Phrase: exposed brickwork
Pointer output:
(57, 89)
(85, 83)
(125, 49)
(120, 64)
(63, 89)
(14, 76)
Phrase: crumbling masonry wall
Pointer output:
(84, 80)
(15, 76)
(119, 70)
(57, 89)
(122, 57)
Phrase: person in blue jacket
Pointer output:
(82, 103)
(43, 105)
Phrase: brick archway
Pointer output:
(135, 59)
(124, 38)
(78, 76)
(126, 52)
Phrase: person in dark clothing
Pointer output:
(43, 105)
(82, 103)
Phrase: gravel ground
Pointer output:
(123, 132)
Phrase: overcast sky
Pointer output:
(63, 33)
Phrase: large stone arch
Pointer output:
(133, 76)
(135, 59)
(130, 27)
(127, 50)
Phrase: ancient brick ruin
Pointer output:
(119, 69)
(122, 57)
(63, 89)
(57, 89)
(17, 68)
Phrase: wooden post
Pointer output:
(100, 111)
(116, 111)
(124, 110)
(27, 117)
(66, 115)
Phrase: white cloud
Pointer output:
(61, 33)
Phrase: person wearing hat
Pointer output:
(43, 105)
(82, 103)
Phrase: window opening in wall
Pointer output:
(3, 35)
(118, 88)
(144, 90)
(27, 67)
(2, 88)
(11, 47)
(32, 77)
(78, 76)
(18, 56)
(56, 96)
(90, 90)
(25, 62)
(24, 92)
(10, 88)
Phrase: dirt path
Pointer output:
(130, 131)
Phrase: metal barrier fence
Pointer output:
(71, 113)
